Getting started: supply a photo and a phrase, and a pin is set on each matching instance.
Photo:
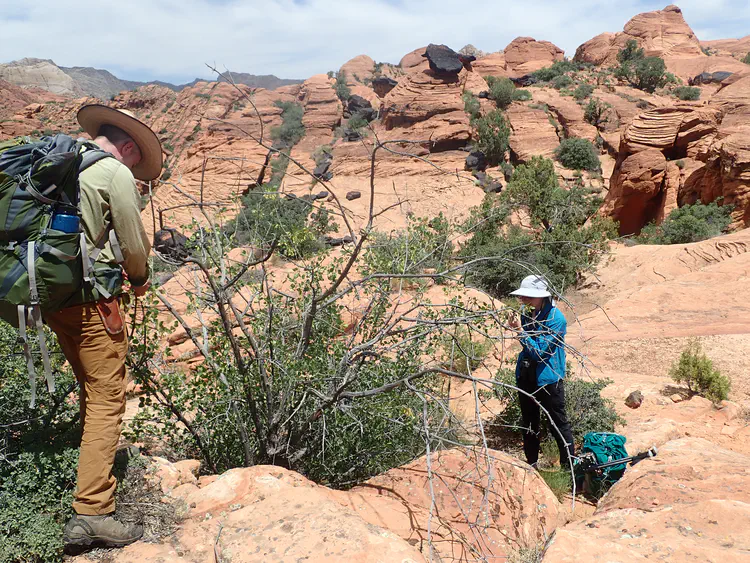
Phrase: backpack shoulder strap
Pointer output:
(91, 156)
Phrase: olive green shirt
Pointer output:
(109, 195)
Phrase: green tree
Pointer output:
(493, 133)
(291, 129)
(341, 87)
(630, 53)
(746, 60)
(649, 74)
(578, 154)
(689, 223)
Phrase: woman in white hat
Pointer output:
(541, 368)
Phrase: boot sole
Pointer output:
(102, 541)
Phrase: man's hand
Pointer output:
(514, 322)
(141, 290)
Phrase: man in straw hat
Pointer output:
(541, 368)
(90, 331)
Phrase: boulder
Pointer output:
(443, 59)
(171, 243)
(476, 161)
(354, 194)
(356, 104)
(382, 85)
(358, 69)
(634, 400)
(710, 78)
(689, 503)
(322, 172)
(414, 61)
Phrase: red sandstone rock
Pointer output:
(532, 133)
(525, 54)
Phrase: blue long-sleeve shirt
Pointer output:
(543, 341)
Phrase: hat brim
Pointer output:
(528, 292)
(92, 117)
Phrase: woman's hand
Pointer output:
(514, 322)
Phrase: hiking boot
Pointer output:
(101, 530)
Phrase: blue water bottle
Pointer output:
(65, 222)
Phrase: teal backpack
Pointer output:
(44, 262)
(600, 448)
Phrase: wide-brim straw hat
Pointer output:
(92, 117)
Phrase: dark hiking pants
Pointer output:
(552, 398)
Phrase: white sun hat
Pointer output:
(533, 286)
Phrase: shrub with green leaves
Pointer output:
(746, 60)
(687, 93)
(464, 350)
(631, 52)
(38, 457)
(578, 154)
(341, 87)
(649, 74)
(557, 68)
(562, 81)
(689, 223)
(502, 90)
(564, 244)
(291, 130)
(587, 410)
(595, 112)
(696, 369)
(521, 95)
(471, 105)
(583, 91)
(493, 133)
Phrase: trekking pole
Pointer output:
(632, 460)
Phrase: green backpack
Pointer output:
(601, 448)
(43, 268)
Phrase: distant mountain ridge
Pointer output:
(99, 83)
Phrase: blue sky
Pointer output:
(172, 40)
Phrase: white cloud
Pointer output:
(171, 39)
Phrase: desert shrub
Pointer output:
(423, 244)
(642, 104)
(563, 244)
(557, 68)
(493, 133)
(630, 53)
(521, 95)
(587, 410)
(583, 91)
(342, 89)
(502, 90)
(595, 112)
(746, 60)
(472, 105)
(649, 74)
(578, 154)
(687, 93)
(507, 169)
(291, 129)
(38, 457)
(322, 153)
(689, 223)
(562, 81)
(696, 370)
(357, 122)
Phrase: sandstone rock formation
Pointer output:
(738, 48)
(713, 157)
(486, 502)
(491, 65)
(524, 55)
(532, 133)
(690, 503)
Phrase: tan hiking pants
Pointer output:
(98, 360)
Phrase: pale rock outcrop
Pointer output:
(733, 47)
(39, 73)
(689, 503)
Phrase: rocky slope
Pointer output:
(87, 81)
